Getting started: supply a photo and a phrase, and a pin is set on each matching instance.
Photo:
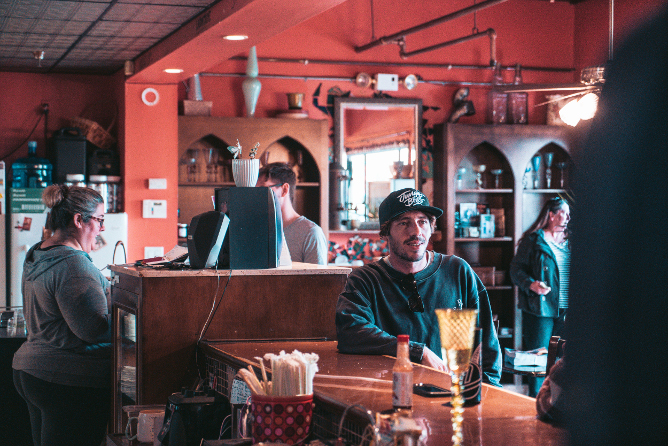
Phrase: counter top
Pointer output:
(343, 380)
(295, 269)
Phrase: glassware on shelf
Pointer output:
(479, 169)
(497, 99)
(535, 162)
(525, 178)
(459, 180)
(562, 168)
(211, 157)
(549, 156)
(457, 329)
(497, 177)
(191, 157)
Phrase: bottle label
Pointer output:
(402, 389)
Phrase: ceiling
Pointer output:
(91, 36)
(98, 36)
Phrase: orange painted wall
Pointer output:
(151, 151)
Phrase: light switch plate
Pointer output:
(157, 183)
(154, 209)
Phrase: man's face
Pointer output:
(409, 235)
(274, 185)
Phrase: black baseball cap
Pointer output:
(405, 200)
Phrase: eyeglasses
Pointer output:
(276, 185)
(415, 300)
(100, 220)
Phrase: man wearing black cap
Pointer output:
(399, 293)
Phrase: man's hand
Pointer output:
(430, 359)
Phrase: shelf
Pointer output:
(194, 184)
(228, 183)
(479, 239)
(544, 191)
(484, 191)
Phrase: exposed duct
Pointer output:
(399, 37)
(488, 32)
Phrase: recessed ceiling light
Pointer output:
(235, 37)
(173, 70)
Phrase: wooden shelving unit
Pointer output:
(506, 147)
(296, 141)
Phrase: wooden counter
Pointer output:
(502, 418)
(159, 316)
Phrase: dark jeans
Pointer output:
(64, 415)
(536, 333)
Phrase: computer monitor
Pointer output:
(206, 234)
(255, 234)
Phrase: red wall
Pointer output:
(531, 32)
(21, 95)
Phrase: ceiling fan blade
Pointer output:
(548, 87)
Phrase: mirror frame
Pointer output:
(340, 105)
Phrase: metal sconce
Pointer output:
(385, 81)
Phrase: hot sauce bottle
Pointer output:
(402, 377)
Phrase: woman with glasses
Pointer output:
(541, 269)
(63, 369)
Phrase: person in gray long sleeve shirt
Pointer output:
(63, 370)
(399, 293)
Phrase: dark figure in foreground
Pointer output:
(615, 386)
(63, 370)
(399, 293)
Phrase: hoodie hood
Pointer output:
(39, 261)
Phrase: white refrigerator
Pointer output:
(25, 229)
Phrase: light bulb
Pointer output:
(570, 114)
(587, 105)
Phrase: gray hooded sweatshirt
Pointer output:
(67, 319)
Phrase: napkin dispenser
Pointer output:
(192, 416)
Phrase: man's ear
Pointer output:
(285, 190)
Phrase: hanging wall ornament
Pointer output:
(251, 85)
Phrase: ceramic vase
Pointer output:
(251, 86)
(245, 172)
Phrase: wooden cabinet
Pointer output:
(459, 148)
(303, 143)
(160, 315)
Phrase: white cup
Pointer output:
(146, 425)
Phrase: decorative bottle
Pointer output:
(402, 377)
(498, 100)
(251, 86)
(517, 100)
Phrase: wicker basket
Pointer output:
(93, 131)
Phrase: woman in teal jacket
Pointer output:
(540, 269)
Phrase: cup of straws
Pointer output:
(282, 405)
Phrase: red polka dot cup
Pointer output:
(281, 419)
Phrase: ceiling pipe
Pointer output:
(361, 63)
(488, 32)
(455, 15)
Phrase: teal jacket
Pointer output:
(536, 261)
(373, 309)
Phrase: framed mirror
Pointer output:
(377, 145)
